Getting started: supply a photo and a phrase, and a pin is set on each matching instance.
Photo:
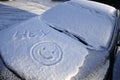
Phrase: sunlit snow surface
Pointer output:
(10, 16)
(37, 51)
(93, 22)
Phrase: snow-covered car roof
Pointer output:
(91, 21)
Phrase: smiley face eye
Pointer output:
(43, 48)
(53, 52)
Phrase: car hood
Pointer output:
(35, 51)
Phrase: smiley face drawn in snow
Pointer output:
(46, 53)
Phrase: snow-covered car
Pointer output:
(75, 40)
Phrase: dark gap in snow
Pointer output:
(71, 35)
(116, 70)
(114, 49)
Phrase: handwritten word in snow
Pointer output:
(18, 35)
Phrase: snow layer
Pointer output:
(106, 9)
(95, 66)
(85, 19)
(10, 16)
(5, 73)
(38, 52)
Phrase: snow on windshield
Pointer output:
(92, 23)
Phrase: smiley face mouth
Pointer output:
(48, 53)
(45, 56)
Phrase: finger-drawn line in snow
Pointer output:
(46, 53)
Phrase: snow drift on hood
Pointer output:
(37, 52)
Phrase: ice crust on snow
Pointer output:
(91, 23)
(36, 51)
